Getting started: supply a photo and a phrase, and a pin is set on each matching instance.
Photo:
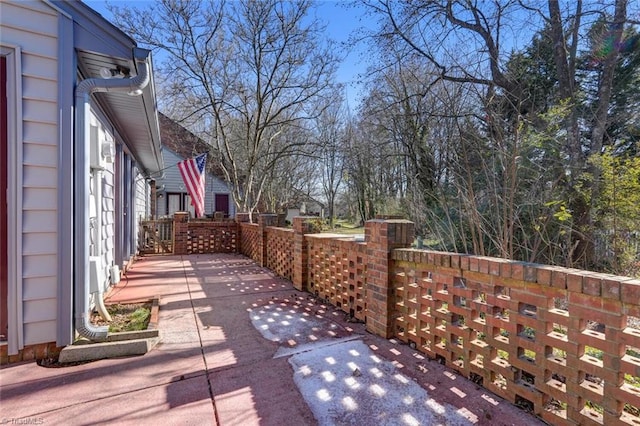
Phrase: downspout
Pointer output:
(85, 88)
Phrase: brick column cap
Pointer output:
(302, 225)
(242, 217)
(181, 216)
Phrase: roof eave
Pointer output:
(95, 37)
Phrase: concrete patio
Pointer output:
(213, 366)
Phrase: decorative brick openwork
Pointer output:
(280, 251)
(203, 236)
(212, 237)
(250, 240)
(337, 270)
(552, 340)
(562, 343)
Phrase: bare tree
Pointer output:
(246, 71)
(293, 179)
(369, 171)
(332, 132)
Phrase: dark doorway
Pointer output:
(222, 204)
(4, 282)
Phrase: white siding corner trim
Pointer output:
(13, 55)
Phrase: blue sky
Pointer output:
(341, 23)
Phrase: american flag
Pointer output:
(193, 174)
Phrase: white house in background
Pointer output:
(306, 206)
(80, 145)
(179, 144)
(172, 196)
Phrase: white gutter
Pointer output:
(82, 172)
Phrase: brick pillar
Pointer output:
(615, 295)
(265, 220)
(268, 219)
(301, 226)
(382, 237)
(180, 232)
(282, 220)
(242, 217)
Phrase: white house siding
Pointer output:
(108, 217)
(172, 182)
(142, 202)
(33, 26)
(142, 197)
(219, 186)
(106, 246)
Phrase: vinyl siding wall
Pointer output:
(103, 181)
(138, 210)
(108, 215)
(142, 202)
(142, 198)
(34, 27)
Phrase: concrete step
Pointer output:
(109, 349)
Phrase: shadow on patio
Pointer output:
(213, 365)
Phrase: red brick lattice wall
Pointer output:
(250, 241)
(212, 237)
(562, 343)
(550, 339)
(280, 251)
(337, 270)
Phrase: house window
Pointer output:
(174, 203)
(178, 202)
